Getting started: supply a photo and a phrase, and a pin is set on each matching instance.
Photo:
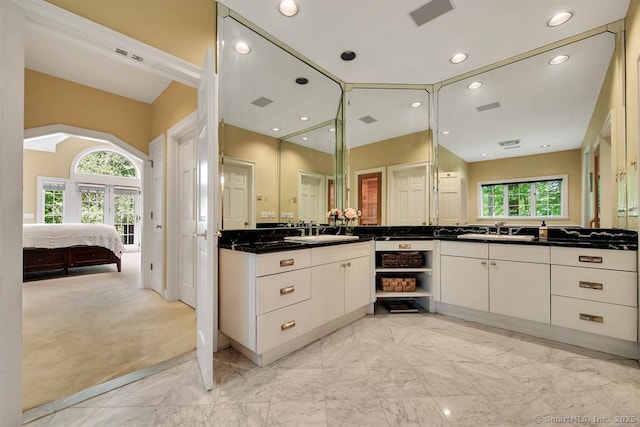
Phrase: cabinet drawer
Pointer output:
(337, 253)
(43, 259)
(522, 253)
(597, 317)
(279, 326)
(595, 258)
(617, 287)
(404, 245)
(279, 262)
(89, 255)
(465, 249)
(280, 290)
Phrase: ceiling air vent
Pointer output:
(488, 107)
(430, 11)
(262, 102)
(367, 119)
(510, 145)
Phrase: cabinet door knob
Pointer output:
(348, 264)
(483, 262)
(493, 263)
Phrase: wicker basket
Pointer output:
(398, 284)
(402, 260)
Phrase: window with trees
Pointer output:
(107, 163)
(53, 202)
(527, 198)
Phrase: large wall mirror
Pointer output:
(389, 155)
(532, 138)
(277, 131)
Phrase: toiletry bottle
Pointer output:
(543, 232)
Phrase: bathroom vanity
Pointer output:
(577, 287)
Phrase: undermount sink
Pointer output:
(505, 237)
(322, 238)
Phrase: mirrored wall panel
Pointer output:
(541, 138)
(267, 95)
(389, 156)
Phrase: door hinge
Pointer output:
(151, 161)
(151, 214)
(151, 267)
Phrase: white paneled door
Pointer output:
(238, 178)
(206, 221)
(311, 206)
(156, 156)
(408, 194)
(187, 210)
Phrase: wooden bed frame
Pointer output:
(40, 259)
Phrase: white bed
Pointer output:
(62, 246)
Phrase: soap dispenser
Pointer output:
(543, 232)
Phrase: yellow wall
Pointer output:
(174, 104)
(263, 150)
(295, 158)
(411, 148)
(184, 28)
(449, 162)
(562, 162)
(49, 100)
(51, 165)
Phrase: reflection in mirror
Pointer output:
(307, 176)
(389, 155)
(535, 141)
(265, 94)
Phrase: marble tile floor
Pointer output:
(396, 370)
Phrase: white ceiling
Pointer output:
(391, 49)
(52, 53)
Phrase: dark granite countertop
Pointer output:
(261, 241)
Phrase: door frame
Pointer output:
(172, 220)
(148, 226)
(251, 205)
(383, 190)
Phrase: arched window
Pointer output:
(107, 163)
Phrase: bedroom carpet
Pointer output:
(96, 325)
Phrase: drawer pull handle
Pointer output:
(592, 259)
(591, 285)
(288, 325)
(404, 246)
(591, 318)
(287, 290)
(287, 262)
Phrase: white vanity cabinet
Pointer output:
(340, 277)
(422, 274)
(272, 304)
(264, 299)
(464, 274)
(511, 280)
(595, 290)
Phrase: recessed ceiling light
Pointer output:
(242, 48)
(545, 146)
(559, 19)
(474, 85)
(332, 129)
(348, 55)
(458, 58)
(445, 132)
(275, 129)
(288, 7)
(416, 104)
(559, 59)
(305, 138)
(304, 118)
(302, 80)
(484, 154)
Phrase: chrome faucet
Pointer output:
(499, 225)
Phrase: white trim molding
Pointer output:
(102, 40)
(172, 221)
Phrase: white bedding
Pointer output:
(52, 236)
